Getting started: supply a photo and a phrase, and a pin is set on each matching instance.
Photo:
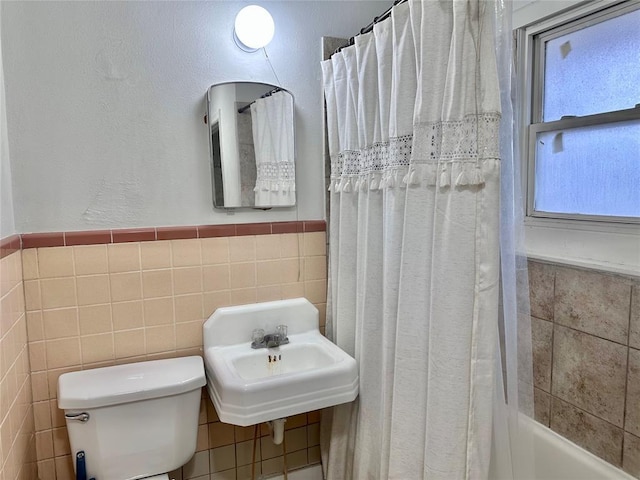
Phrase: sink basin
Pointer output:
(249, 386)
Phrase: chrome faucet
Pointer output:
(270, 340)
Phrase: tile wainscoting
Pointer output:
(586, 359)
(106, 303)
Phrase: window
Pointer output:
(582, 137)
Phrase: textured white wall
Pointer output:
(7, 222)
(105, 103)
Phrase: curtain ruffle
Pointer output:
(449, 153)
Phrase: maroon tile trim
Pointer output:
(208, 231)
(286, 227)
(253, 229)
(176, 233)
(315, 226)
(92, 237)
(133, 235)
(35, 240)
(9, 245)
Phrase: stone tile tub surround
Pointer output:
(108, 303)
(586, 347)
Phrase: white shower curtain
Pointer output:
(272, 120)
(413, 120)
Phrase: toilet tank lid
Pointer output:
(105, 386)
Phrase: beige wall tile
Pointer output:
(158, 311)
(125, 286)
(197, 466)
(187, 280)
(129, 343)
(222, 458)
(39, 386)
(315, 243)
(542, 406)
(213, 300)
(590, 373)
(296, 439)
(592, 302)
(63, 353)
(541, 338)
(313, 455)
(44, 444)
(243, 275)
(269, 272)
(216, 277)
(243, 296)
(61, 442)
(32, 295)
(37, 356)
(30, 264)
(58, 292)
(296, 459)
(244, 452)
(541, 288)
(223, 475)
(64, 467)
(186, 253)
(292, 270)
(160, 339)
(127, 315)
(242, 249)
(270, 449)
(631, 455)
(60, 323)
(291, 245)
(316, 291)
(95, 319)
(634, 334)
(155, 255)
(55, 262)
(202, 442)
(215, 250)
(293, 290)
(267, 247)
(632, 418)
(46, 470)
(41, 416)
(157, 283)
(268, 294)
(90, 259)
(97, 348)
(124, 257)
(57, 415)
(595, 435)
(272, 466)
(93, 289)
(315, 268)
(52, 378)
(313, 434)
(220, 434)
(188, 307)
(35, 326)
(189, 334)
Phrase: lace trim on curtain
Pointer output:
(275, 177)
(439, 153)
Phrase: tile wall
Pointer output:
(586, 348)
(17, 441)
(97, 305)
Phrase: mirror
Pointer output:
(251, 145)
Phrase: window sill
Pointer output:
(609, 248)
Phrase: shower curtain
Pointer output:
(413, 125)
(272, 120)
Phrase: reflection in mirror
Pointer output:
(251, 140)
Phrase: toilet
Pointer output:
(138, 420)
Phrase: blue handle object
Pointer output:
(81, 466)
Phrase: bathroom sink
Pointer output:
(249, 386)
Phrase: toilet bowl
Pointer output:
(133, 421)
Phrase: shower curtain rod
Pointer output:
(268, 94)
(369, 27)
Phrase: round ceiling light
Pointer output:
(254, 28)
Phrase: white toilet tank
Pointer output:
(135, 420)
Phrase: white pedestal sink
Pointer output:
(249, 386)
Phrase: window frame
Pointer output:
(530, 41)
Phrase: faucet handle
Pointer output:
(281, 331)
(257, 336)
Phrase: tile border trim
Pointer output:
(17, 242)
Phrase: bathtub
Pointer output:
(556, 458)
